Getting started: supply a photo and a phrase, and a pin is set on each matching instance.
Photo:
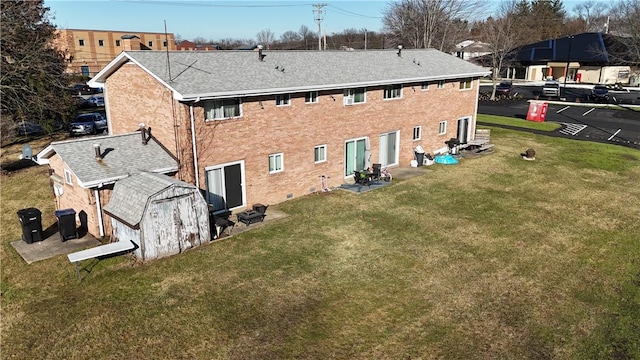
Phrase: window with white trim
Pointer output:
(425, 85)
(81, 42)
(393, 92)
(283, 100)
(441, 84)
(150, 43)
(67, 177)
(465, 84)
(275, 163)
(100, 42)
(417, 133)
(442, 127)
(117, 42)
(354, 96)
(311, 97)
(320, 153)
(222, 109)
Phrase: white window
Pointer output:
(164, 43)
(441, 84)
(442, 127)
(320, 153)
(465, 84)
(222, 109)
(393, 92)
(425, 86)
(117, 42)
(100, 42)
(67, 177)
(150, 43)
(283, 100)
(81, 42)
(417, 132)
(311, 97)
(354, 96)
(275, 163)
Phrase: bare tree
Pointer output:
(290, 40)
(625, 24)
(428, 23)
(307, 35)
(266, 37)
(502, 36)
(593, 14)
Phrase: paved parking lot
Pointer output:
(585, 121)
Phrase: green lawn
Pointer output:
(494, 258)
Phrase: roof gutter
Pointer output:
(108, 181)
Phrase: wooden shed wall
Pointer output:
(176, 219)
(122, 232)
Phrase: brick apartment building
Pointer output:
(89, 51)
(263, 127)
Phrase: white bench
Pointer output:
(99, 251)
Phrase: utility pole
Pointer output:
(318, 12)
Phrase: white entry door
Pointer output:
(389, 148)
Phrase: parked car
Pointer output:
(29, 128)
(551, 89)
(84, 89)
(90, 123)
(96, 101)
(504, 88)
(599, 93)
(81, 102)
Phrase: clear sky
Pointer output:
(216, 20)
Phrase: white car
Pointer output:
(96, 101)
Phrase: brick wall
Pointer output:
(292, 130)
(80, 199)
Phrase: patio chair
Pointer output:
(361, 178)
(376, 172)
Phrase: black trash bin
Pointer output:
(31, 220)
(67, 224)
(419, 151)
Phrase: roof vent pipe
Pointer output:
(260, 55)
(96, 148)
(399, 50)
(143, 134)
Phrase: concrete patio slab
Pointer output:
(52, 245)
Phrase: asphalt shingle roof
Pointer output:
(122, 155)
(131, 195)
(237, 73)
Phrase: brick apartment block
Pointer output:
(263, 126)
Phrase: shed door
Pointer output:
(175, 226)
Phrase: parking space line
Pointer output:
(614, 135)
(563, 109)
(586, 113)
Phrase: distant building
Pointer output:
(587, 57)
(470, 49)
(89, 51)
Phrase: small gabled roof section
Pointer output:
(201, 75)
(121, 156)
(131, 195)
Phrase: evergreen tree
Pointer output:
(33, 79)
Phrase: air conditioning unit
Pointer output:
(348, 101)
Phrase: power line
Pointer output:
(209, 4)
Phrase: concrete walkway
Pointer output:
(52, 245)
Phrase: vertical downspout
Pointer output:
(99, 209)
(195, 150)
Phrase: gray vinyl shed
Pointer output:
(162, 215)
